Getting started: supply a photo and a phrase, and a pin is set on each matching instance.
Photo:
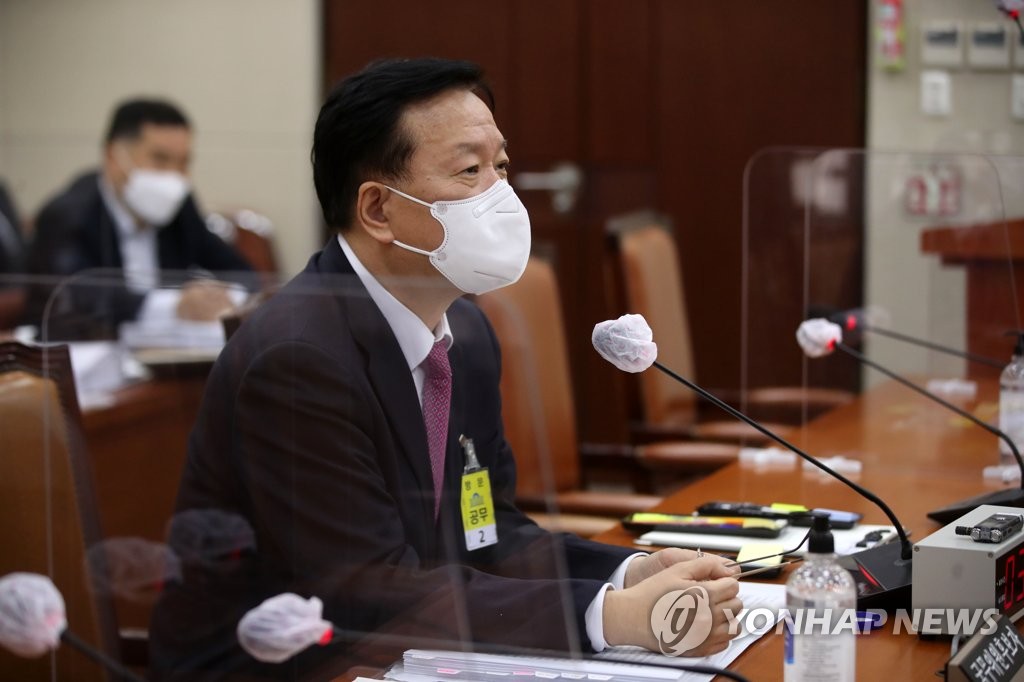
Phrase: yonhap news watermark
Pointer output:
(819, 621)
(682, 619)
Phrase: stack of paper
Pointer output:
(846, 540)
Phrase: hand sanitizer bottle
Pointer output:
(821, 598)
(1011, 404)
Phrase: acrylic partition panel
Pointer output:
(191, 480)
(902, 250)
(775, 251)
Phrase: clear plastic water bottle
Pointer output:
(821, 643)
(1011, 404)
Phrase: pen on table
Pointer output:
(763, 569)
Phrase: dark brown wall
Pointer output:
(662, 103)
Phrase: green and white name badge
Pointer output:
(478, 522)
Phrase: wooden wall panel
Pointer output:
(735, 78)
(621, 105)
(542, 114)
(357, 32)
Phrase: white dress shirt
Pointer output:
(139, 256)
(416, 340)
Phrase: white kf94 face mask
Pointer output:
(486, 239)
(155, 196)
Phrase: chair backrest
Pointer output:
(653, 286)
(536, 386)
(251, 233)
(47, 511)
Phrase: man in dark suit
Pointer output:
(135, 215)
(12, 245)
(338, 419)
(11, 241)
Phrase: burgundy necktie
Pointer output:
(437, 398)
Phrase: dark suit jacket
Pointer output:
(311, 430)
(76, 232)
(12, 243)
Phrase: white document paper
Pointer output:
(627, 664)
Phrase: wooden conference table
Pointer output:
(916, 456)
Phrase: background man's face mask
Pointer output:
(486, 239)
(155, 196)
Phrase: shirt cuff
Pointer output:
(594, 616)
(618, 578)
(595, 620)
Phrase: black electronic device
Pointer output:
(994, 529)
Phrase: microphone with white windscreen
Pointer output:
(818, 337)
(883, 572)
(282, 627)
(817, 343)
(33, 622)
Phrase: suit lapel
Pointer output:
(388, 372)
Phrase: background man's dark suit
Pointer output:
(311, 430)
(75, 232)
(11, 241)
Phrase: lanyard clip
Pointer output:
(472, 463)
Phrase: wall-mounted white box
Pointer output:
(1017, 97)
(942, 43)
(936, 93)
(988, 46)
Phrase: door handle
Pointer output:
(564, 181)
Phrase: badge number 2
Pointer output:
(478, 522)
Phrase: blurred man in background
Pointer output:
(11, 242)
(12, 247)
(137, 215)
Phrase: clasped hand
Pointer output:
(627, 612)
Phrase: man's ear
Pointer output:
(372, 211)
(113, 162)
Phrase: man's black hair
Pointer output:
(357, 134)
(131, 115)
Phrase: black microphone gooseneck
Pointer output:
(931, 396)
(931, 345)
(1008, 497)
(856, 320)
(75, 642)
(906, 549)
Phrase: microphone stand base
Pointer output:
(882, 576)
(1011, 497)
